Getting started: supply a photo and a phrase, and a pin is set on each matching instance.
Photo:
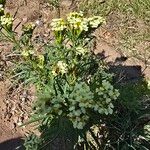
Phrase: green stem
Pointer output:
(14, 39)
(10, 37)
(6, 36)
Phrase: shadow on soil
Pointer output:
(123, 73)
(12, 144)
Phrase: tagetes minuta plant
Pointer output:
(75, 26)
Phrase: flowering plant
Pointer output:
(71, 82)
(76, 27)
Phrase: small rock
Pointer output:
(39, 23)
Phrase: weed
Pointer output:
(77, 102)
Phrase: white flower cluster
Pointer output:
(107, 94)
(76, 21)
(6, 20)
(58, 24)
(148, 84)
(61, 67)
(80, 50)
(27, 52)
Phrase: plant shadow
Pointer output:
(12, 144)
(123, 73)
(131, 111)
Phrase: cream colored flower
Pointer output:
(81, 50)
(41, 61)
(62, 67)
(84, 25)
(6, 20)
(77, 21)
(25, 53)
(148, 83)
(54, 73)
(58, 24)
(1, 9)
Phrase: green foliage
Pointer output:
(32, 142)
(65, 68)
(55, 133)
(131, 95)
(127, 124)
(128, 127)
(75, 93)
(2, 2)
(70, 80)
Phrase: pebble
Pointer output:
(39, 23)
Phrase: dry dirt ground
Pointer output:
(11, 109)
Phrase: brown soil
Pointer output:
(10, 132)
(7, 131)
